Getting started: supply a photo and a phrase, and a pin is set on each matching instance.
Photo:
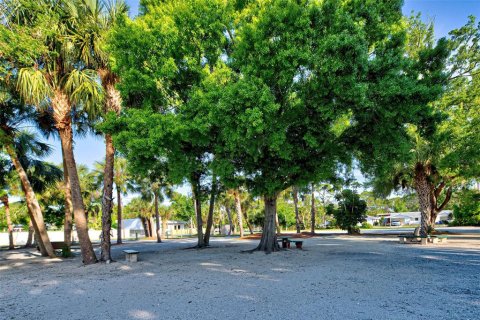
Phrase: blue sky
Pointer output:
(447, 14)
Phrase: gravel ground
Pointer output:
(334, 277)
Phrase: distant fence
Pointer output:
(20, 237)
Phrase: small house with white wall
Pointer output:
(133, 227)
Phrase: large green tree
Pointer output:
(172, 47)
(300, 80)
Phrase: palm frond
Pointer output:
(85, 91)
(33, 86)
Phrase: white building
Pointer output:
(414, 217)
(133, 227)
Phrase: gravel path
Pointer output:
(335, 277)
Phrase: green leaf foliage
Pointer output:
(349, 211)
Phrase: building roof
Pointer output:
(132, 224)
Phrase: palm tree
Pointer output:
(98, 16)
(55, 79)
(5, 176)
(12, 116)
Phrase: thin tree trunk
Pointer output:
(113, 102)
(157, 218)
(30, 235)
(438, 208)
(107, 200)
(81, 223)
(268, 242)
(295, 203)
(6, 205)
(277, 224)
(424, 193)
(211, 207)
(144, 224)
(230, 222)
(195, 181)
(68, 221)
(150, 227)
(119, 216)
(164, 226)
(249, 225)
(238, 209)
(34, 209)
(313, 211)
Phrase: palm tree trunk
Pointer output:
(249, 225)
(68, 222)
(195, 181)
(145, 227)
(157, 218)
(295, 203)
(425, 193)
(30, 235)
(164, 226)
(34, 209)
(119, 216)
(230, 222)
(6, 205)
(66, 137)
(150, 227)
(268, 242)
(211, 206)
(277, 224)
(238, 209)
(107, 200)
(313, 211)
(113, 102)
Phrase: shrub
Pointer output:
(366, 225)
(467, 211)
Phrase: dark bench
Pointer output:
(286, 243)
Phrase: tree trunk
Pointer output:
(277, 224)
(34, 209)
(211, 207)
(113, 102)
(157, 218)
(30, 235)
(268, 242)
(81, 223)
(150, 227)
(119, 216)
(164, 226)
(230, 222)
(238, 209)
(295, 203)
(145, 226)
(436, 208)
(249, 225)
(313, 211)
(195, 181)
(424, 193)
(107, 200)
(6, 205)
(68, 221)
